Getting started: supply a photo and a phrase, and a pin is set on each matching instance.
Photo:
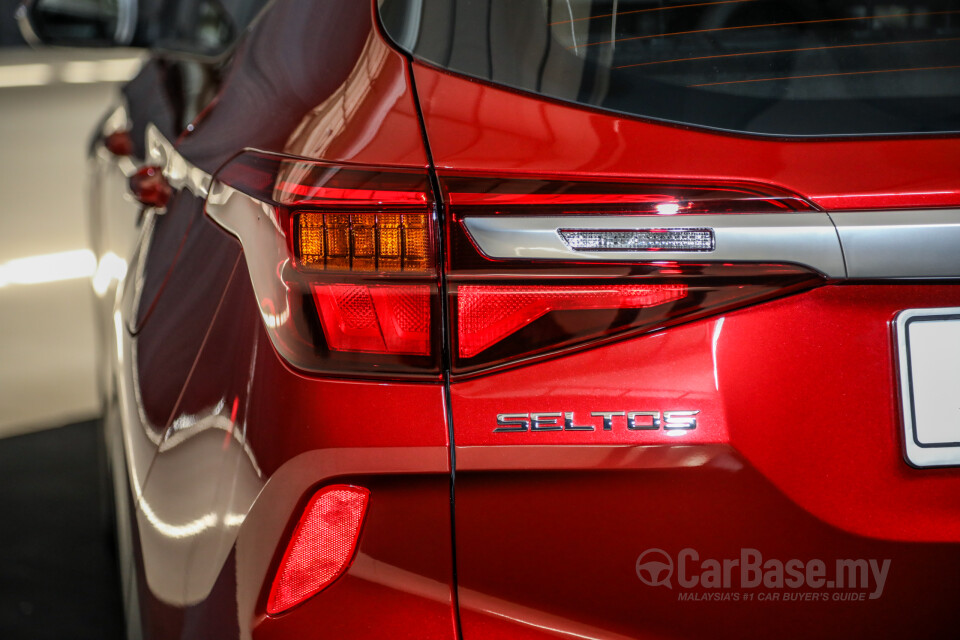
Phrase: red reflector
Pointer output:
(375, 318)
(150, 187)
(322, 545)
(119, 143)
(486, 314)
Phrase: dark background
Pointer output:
(58, 573)
(9, 33)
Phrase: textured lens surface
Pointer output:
(322, 545)
(639, 240)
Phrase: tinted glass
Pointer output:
(779, 67)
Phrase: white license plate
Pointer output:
(929, 351)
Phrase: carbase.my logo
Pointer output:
(655, 568)
(842, 580)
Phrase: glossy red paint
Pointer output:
(339, 85)
(249, 442)
(773, 381)
(168, 234)
(567, 540)
(821, 369)
(668, 371)
(797, 448)
(371, 118)
(168, 339)
(228, 441)
(796, 451)
(473, 126)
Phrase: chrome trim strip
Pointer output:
(918, 243)
(179, 172)
(807, 239)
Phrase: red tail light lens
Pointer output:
(342, 260)
(500, 323)
(508, 311)
(375, 318)
(322, 546)
(486, 314)
(551, 196)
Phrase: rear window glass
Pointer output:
(775, 67)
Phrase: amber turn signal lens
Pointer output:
(364, 242)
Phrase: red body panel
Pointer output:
(775, 381)
(370, 119)
(796, 452)
(569, 536)
(229, 441)
(798, 455)
(473, 126)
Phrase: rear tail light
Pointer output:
(342, 260)
(364, 242)
(344, 263)
(322, 546)
(502, 321)
(513, 310)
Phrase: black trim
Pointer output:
(446, 344)
(669, 96)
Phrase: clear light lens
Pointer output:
(639, 239)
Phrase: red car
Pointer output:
(531, 319)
